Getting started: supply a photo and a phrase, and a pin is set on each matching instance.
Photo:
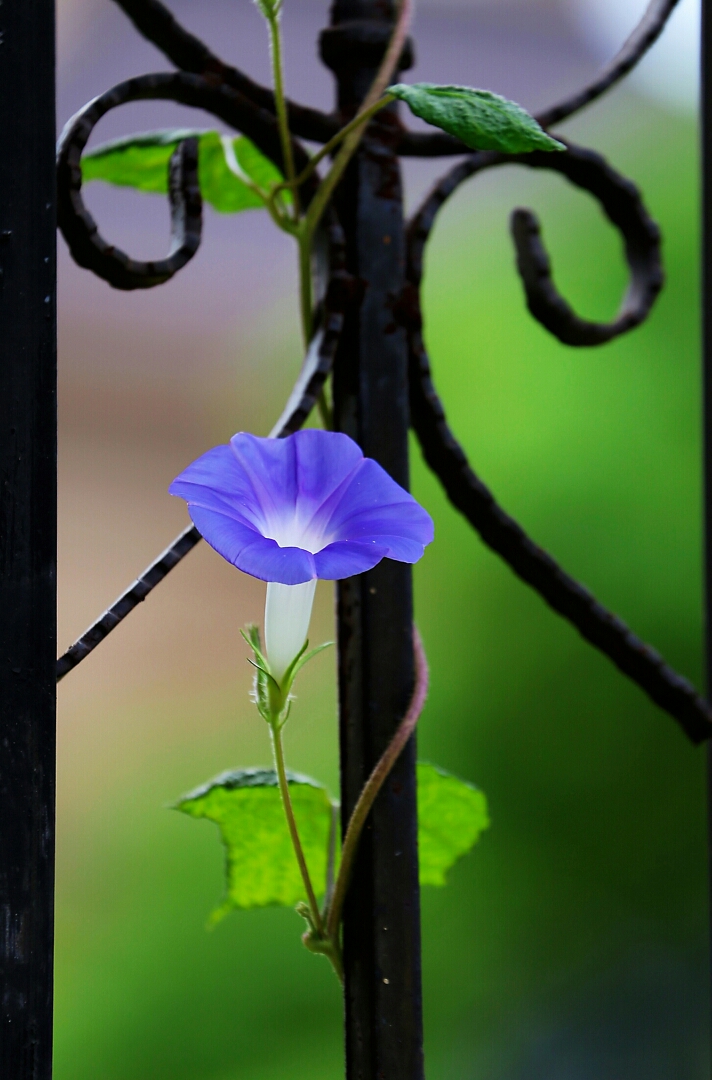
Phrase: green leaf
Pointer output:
(139, 161)
(261, 867)
(451, 816)
(483, 120)
(224, 165)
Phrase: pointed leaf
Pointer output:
(224, 163)
(451, 816)
(483, 120)
(261, 867)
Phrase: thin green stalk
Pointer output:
(303, 238)
(361, 118)
(374, 784)
(292, 824)
(275, 39)
(278, 217)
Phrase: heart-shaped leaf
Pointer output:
(224, 165)
(483, 120)
(261, 868)
(451, 816)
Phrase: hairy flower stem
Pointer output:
(349, 137)
(292, 824)
(374, 784)
(324, 935)
(275, 39)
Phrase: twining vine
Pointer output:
(206, 82)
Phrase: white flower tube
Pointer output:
(288, 610)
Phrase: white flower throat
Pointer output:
(291, 529)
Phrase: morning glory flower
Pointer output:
(293, 510)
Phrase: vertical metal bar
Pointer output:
(706, 148)
(27, 536)
(382, 912)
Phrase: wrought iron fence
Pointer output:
(370, 340)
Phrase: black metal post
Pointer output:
(706, 132)
(27, 536)
(382, 912)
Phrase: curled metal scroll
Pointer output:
(645, 34)
(315, 370)
(600, 627)
(207, 82)
(621, 203)
(156, 23)
(634, 48)
(88, 247)
(446, 457)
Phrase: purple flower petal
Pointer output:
(217, 479)
(408, 520)
(401, 548)
(288, 510)
(270, 562)
(271, 467)
(348, 557)
(251, 552)
(325, 459)
(369, 488)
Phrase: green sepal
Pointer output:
(288, 677)
(481, 119)
(267, 690)
(272, 697)
(251, 634)
(303, 657)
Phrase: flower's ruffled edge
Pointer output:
(232, 489)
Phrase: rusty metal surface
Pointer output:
(382, 998)
(28, 524)
(247, 109)
(371, 324)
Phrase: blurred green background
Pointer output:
(571, 944)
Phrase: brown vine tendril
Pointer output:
(374, 784)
